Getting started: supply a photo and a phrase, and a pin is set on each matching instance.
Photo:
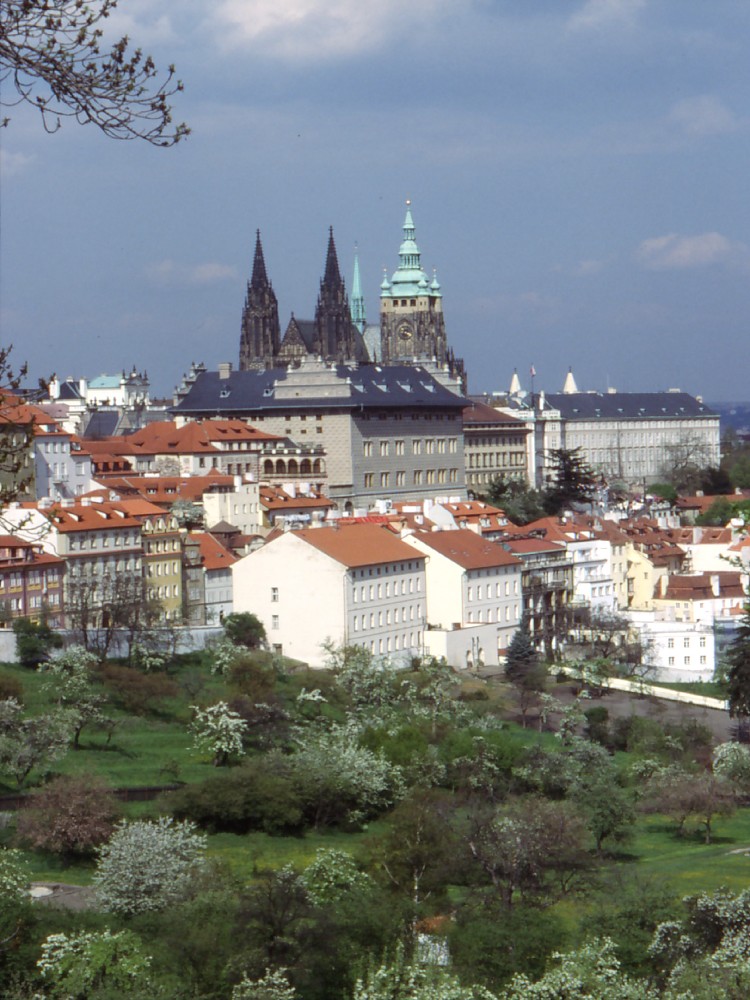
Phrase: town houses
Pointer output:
(337, 483)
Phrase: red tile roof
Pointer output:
(468, 549)
(360, 545)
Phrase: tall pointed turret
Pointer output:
(570, 383)
(411, 307)
(336, 336)
(358, 301)
(260, 332)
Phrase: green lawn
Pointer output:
(688, 863)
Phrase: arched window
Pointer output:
(280, 467)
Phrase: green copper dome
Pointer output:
(409, 280)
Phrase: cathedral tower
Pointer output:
(336, 336)
(260, 336)
(411, 308)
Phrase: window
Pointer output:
(383, 449)
(400, 478)
(670, 661)
(399, 447)
(416, 446)
(274, 594)
(367, 449)
(369, 477)
(274, 621)
(702, 642)
(385, 479)
(686, 642)
(418, 477)
(687, 660)
(670, 643)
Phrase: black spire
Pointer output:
(259, 278)
(332, 277)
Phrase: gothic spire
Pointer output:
(259, 278)
(332, 276)
(358, 301)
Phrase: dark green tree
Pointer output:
(738, 676)
(718, 514)
(34, 642)
(524, 670)
(520, 502)
(572, 480)
(245, 629)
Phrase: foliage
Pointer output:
(71, 684)
(738, 677)
(532, 850)
(219, 731)
(519, 501)
(225, 654)
(684, 795)
(28, 743)
(273, 986)
(137, 692)
(69, 816)
(332, 875)
(51, 53)
(718, 514)
(732, 762)
(402, 980)
(14, 894)
(592, 972)
(572, 481)
(98, 607)
(665, 491)
(524, 670)
(94, 964)
(147, 865)
(34, 641)
(245, 629)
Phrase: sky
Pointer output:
(578, 174)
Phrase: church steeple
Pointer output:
(260, 331)
(260, 278)
(358, 300)
(337, 338)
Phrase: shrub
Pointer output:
(136, 692)
(70, 816)
(11, 687)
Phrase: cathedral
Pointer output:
(411, 330)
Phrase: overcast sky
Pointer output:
(578, 171)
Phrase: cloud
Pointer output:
(169, 272)
(14, 163)
(318, 30)
(602, 14)
(704, 115)
(675, 252)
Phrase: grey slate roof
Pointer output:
(369, 386)
(627, 405)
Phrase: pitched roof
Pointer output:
(468, 549)
(357, 545)
(213, 554)
(627, 405)
(481, 413)
(358, 387)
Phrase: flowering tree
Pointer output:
(402, 980)
(273, 986)
(71, 684)
(78, 965)
(14, 892)
(28, 743)
(732, 761)
(333, 875)
(147, 865)
(220, 731)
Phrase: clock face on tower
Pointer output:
(404, 332)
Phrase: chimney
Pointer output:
(225, 369)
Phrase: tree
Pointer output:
(28, 743)
(532, 850)
(245, 629)
(71, 685)
(520, 502)
(51, 54)
(738, 676)
(93, 964)
(220, 731)
(400, 979)
(147, 865)
(592, 972)
(17, 426)
(34, 641)
(571, 482)
(273, 986)
(524, 670)
(70, 816)
(98, 607)
(14, 894)
(686, 461)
